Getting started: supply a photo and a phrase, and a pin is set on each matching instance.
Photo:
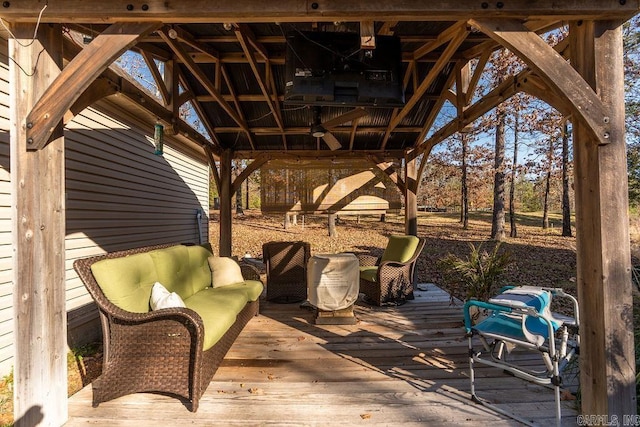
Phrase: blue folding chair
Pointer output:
(521, 317)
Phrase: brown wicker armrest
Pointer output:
(367, 260)
(249, 272)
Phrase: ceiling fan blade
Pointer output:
(331, 141)
(349, 116)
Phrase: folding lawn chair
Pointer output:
(520, 317)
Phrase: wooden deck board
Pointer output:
(404, 366)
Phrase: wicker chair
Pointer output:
(158, 351)
(390, 278)
(286, 265)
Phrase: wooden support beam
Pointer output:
(214, 169)
(321, 154)
(197, 11)
(260, 160)
(499, 94)
(77, 76)
(38, 234)
(388, 168)
(225, 194)
(554, 70)
(607, 360)
(410, 195)
(100, 88)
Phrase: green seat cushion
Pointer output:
(400, 248)
(218, 309)
(127, 281)
(369, 273)
(173, 270)
(251, 289)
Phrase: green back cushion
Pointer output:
(183, 269)
(400, 248)
(199, 267)
(127, 281)
(172, 267)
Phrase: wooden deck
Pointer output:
(404, 366)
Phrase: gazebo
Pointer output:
(229, 60)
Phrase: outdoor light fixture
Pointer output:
(172, 33)
(227, 26)
(317, 131)
(158, 139)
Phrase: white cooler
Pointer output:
(333, 281)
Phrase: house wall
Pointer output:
(119, 195)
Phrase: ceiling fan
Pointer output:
(320, 129)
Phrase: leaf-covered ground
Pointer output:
(542, 257)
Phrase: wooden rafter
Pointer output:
(77, 76)
(244, 34)
(553, 69)
(298, 130)
(206, 122)
(444, 37)
(157, 77)
(199, 74)
(477, 73)
(453, 45)
(431, 119)
(234, 99)
(188, 39)
(321, 154)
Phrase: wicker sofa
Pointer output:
(170, 350)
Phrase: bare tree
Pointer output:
(464, 211)
(513, 232)
(497, 222)
(566, 208)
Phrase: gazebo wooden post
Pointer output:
(38, 232)
(225, 202)
(410, 195)
(607, 361)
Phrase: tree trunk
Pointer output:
(566, 208)
(497, 221)
(246, 195)
(464, 211)
(512, 210)
(547, 188)
(332, 225)
(545, 207)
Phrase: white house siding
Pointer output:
(6, 296)
(118, 195)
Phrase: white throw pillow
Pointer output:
(162, 298)
(224, 271)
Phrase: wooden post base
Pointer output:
(336, 317)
